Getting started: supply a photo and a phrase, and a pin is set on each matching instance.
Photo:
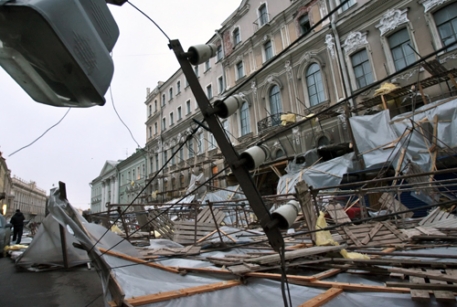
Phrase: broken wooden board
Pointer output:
(439, 218)
(205, 216)
(389, 202)
(166, 251)
(337, 214)
(186, 233)
(161, 223)
(305, 252)
(372, 234)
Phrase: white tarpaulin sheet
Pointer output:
(320, 175)
(380, 139)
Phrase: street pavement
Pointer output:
(75, 287)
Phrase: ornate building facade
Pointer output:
(301, 74)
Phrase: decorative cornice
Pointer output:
(430, 4)
(354, 41)
(391, 20)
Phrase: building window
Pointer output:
(211, 142)
(188, 110)
(155, 128)
(165, 157)
(239, 70)
(196, 71)
(209, 91)
(171, 119)
(263, 15)
(163, 100)
(181, 154)
(149, 110)
(191, 148)
(170, 91)
(315, 86)
(157, 163)
(164, 123)
(225, 125)
(268, 50)
(304, 24)
(446, 22)
(149, 131)
(172, 156)
(220, 83)
(200, 143)
(402, 53)
(347, 5)
(155, 105)
(207, 65)
(219, 54)
(244, 119)
(236, 36)
(362, 68)
(275, 101)
(178, 87)
(179, 113)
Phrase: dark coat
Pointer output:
(18, 220)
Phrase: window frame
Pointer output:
(370, 61)
(237, 70)
(266, 58)
(313, 76)
(236, 36)
(245, 118)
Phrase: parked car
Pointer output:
(5, 234)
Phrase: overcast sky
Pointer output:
(75, 151)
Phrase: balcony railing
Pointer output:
(270, 121)
(261, 21)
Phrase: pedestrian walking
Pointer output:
(18, 223)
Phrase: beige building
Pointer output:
(28, 198)
(6, 183)
(289, 58)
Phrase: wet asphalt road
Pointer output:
(75, 287)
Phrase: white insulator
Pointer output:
(286, 214)
(228, 106)
(254, 156)
(201, 53)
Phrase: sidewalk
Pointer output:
(76, 287)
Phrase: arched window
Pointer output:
(446, 22)
(279, 153)
(236, 36)
(275, 105)
(315, 86)
(244, 119)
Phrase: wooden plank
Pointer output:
(394, 230)
(296, 254)
(337, 214)
(310, 214)
(431, 274)
(354, 239)
(440, 296)
(322, 298)
(372, 233)
(166, 296)
(243, 268)
(326, 274)
(430, 216)
(138, 260)
(432, 287)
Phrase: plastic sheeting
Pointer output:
(324, 174)
(376, 135)
(139, 280)
(46, 247)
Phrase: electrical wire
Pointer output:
(163, 32)
(115, 110)
(47, 130)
